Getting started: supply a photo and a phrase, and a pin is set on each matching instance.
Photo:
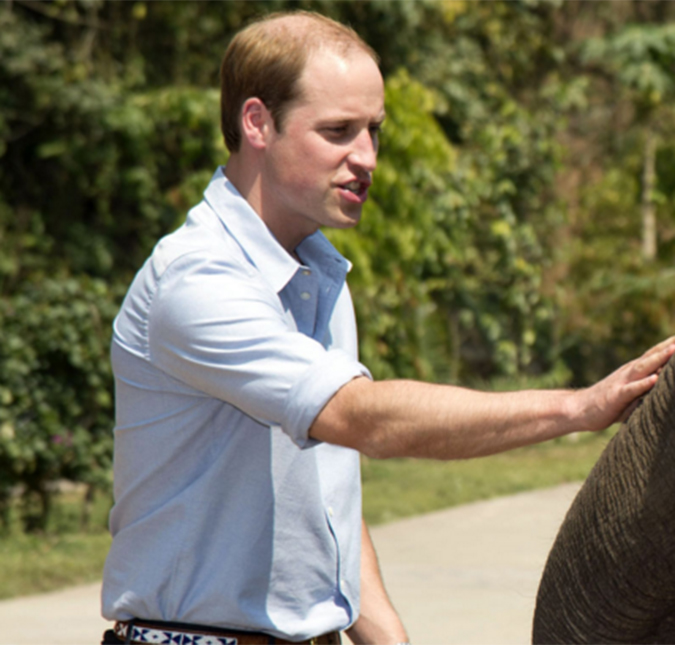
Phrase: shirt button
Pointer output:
(331, 512)
(305, 295)
(306, 272)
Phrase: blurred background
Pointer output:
(520, 231)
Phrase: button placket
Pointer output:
(303, 291)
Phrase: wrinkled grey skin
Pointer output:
(610, 576)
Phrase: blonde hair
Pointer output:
(267, 58)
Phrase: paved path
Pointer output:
(469, 575)
(463, 576)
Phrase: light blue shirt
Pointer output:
(226, 512)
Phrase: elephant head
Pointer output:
(610, 576)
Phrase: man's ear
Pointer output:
(256, 122)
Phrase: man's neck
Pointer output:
(249, 186)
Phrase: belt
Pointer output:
(150, 631)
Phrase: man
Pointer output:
(241, 405)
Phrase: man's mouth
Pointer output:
(357, 188)
(354, 186)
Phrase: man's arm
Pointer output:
(378, 621)
(408, 418)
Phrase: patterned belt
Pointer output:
(178, 634)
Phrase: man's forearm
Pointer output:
(409, 418)
(406, 418)
(378, 623)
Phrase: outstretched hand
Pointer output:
(612, 399)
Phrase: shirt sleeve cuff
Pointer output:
(312, 392)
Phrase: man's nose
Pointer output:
(364, 151)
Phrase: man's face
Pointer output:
(319, 167)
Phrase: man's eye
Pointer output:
(337, 130)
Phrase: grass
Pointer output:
(33, 564)
(392, 489)
(62, 557)
(399, 488)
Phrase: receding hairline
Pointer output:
(315, 32)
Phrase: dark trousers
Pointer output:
(109, 638)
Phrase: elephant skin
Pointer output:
(610, 575)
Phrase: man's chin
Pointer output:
(349, 218)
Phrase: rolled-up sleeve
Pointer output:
(220, 329)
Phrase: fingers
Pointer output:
(621, 390)
(666, 342)
(636, 389)
(654, 359)
(632, 394)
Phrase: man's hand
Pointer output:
(616, 396)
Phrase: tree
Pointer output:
(612, 302)
(93, 170)
(469, 257)
(642, 60)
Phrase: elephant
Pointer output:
(610, 575)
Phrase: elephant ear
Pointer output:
(610, 576)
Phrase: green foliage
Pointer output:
(622, 300)
(55, 419)
(406, 227)
(450, 252)
(498, 319)
(620, 304)
(500, 243)
(95, 168)
(641, 57)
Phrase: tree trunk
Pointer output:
(647, 207)
(87, 504)
(454, 337)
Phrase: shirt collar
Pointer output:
(257, 241)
